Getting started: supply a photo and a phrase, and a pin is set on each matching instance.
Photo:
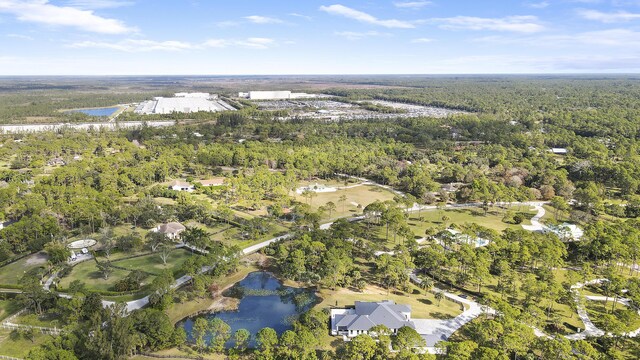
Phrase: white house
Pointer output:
(559, 151)
(172, 230)
(365, 315)
(179, 185)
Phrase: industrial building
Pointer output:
(183, 103)
(274, 95)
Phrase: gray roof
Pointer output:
(370, 314)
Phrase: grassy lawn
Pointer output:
(88, 273)
(492, 220)
(11, 274)
(596, 309)
(423, 305)
(363, 195)
(153, 263)
(44, 320)
(16, 345)
(8, 307)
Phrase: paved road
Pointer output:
(434, 331)
(535, 221)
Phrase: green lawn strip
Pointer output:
(44, 320)
(16, 345)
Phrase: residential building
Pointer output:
(179, 185)
(172, 230)
(365, 315)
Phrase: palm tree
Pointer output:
(426, 283)
(342, 200)
(439, 296)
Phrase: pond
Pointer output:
(97, 111)
(264, 302)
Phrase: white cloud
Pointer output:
(42, 12)
(138, 45)
(412, 4)
(257, 19)
(613, 17)
(354, 35)
(19, 36)
(520, 24)
(98, 4)
(623, 38)
(256, 43)
(350, 13)
(422, 40)
(306, 17)
(538, 5)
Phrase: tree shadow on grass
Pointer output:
(426, 301)
(440, 316)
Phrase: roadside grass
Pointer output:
(10, 274)
(596, 309)
(362, 195)
(14, 344)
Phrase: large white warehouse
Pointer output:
(183, 103)
(274, 95)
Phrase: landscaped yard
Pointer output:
(88, 273)
(423, 305)
(153, 263)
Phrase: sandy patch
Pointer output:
(37, 259)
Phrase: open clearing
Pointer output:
(362, 195)
(11, 273)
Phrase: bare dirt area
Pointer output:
(37, 259)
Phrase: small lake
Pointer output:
(97, 112)
(264, 302)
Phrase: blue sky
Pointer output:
(139, 37)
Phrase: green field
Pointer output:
(88, 272)
(152, 263)
(11, 274)
(8, 307)
(16, 345)
(362, 195)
